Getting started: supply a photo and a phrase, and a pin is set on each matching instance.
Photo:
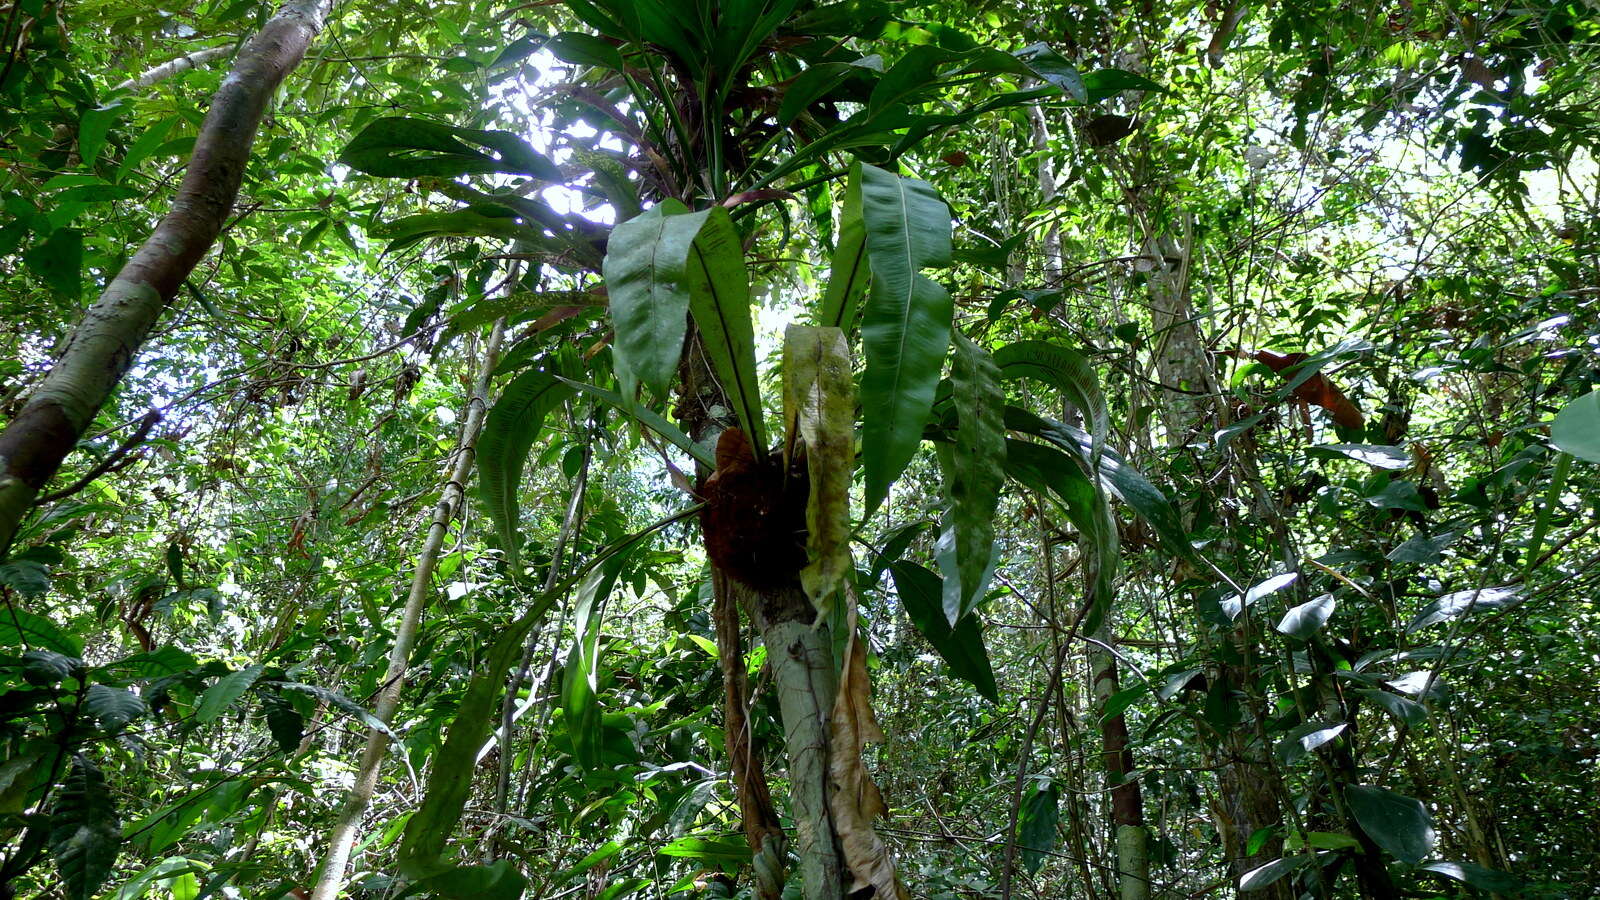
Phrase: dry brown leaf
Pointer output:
(853, 799)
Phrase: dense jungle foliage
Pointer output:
(799, 449)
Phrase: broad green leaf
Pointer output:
(1303, 739)
(1399, 824)
(851, 272)
(966, 550)
(484, 221)
(646, 417)
(1258, 878)
(906, 327)
(85, 836)
(1576, 428)
(819, 410)
(20, 628)
(1380, 456)
(401, 147)
(1233, 606)
(960, 646)
(45, 667)
(647, 281)
(498, 880)
(1103, 84)
(1036, 824)
(581, 49)
(58, 261)
(515, 308)
(1459, 603)
(580, 705)
(1306, 619)
(509, 432)
(1052, 68)
(112, 708)
(1480, 877)
(719, 300)
(728, 850)
(225, 692)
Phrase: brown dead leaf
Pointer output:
(853, 798)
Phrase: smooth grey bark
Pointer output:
(331, 879)
(104, 343)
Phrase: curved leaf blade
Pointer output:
(905, 330)
(966, 552)
(1397, 823)
(645, 270)
(719, 300)
(961, 646)
(403, 147)
(509, 432)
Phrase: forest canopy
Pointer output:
(799, 449)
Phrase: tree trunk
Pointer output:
(103, 345)
(344, 831)
(1127, 800)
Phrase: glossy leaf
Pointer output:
(1308, 618)
(1036, 824)
(719, 300)
(1063, 368)
(112, 708)
(851, 271)
(225, 692)
(646, 273)
(1397, 823)
(401, 147)
(1480, 877)
(509, 432)
(1459, 603)
(966, 550)
(1576, 428)
(85, 837)
(580, 705)
(905, 329)
(960, 646)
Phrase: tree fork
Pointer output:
(102, 347)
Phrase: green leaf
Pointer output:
(722, 850)
(112, 708)
(1256, 879)
(1103, 84)
(1460, 603)
(819, 411)
(484, 221)
(401, 147)
(46, 667)
(58, 261)
(85, 836)
(1303, 739)
(851, 272)
(20, 628)
(93, 126)
(1576, 428)
(1122, 479)
(960, 646)
(646, 274)
(228, 689)
(509, 432)
(580, 705)
(906, 327)
(498, 880)
(1306, 619)
(1051, 68)
(966, 550)
(1397, 823)
(157, 663)
(1063, 368)
(1405, 709)
(1036, 824)
(719, 300)
(285, 723)
(1484, 879)
(1380, 456)
(646, 417)
(581, 49)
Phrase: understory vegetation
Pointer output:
(799, 449)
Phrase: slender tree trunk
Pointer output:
(344, 831)
(103, 345)
(1127, 800)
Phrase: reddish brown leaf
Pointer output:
(1317, 389)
